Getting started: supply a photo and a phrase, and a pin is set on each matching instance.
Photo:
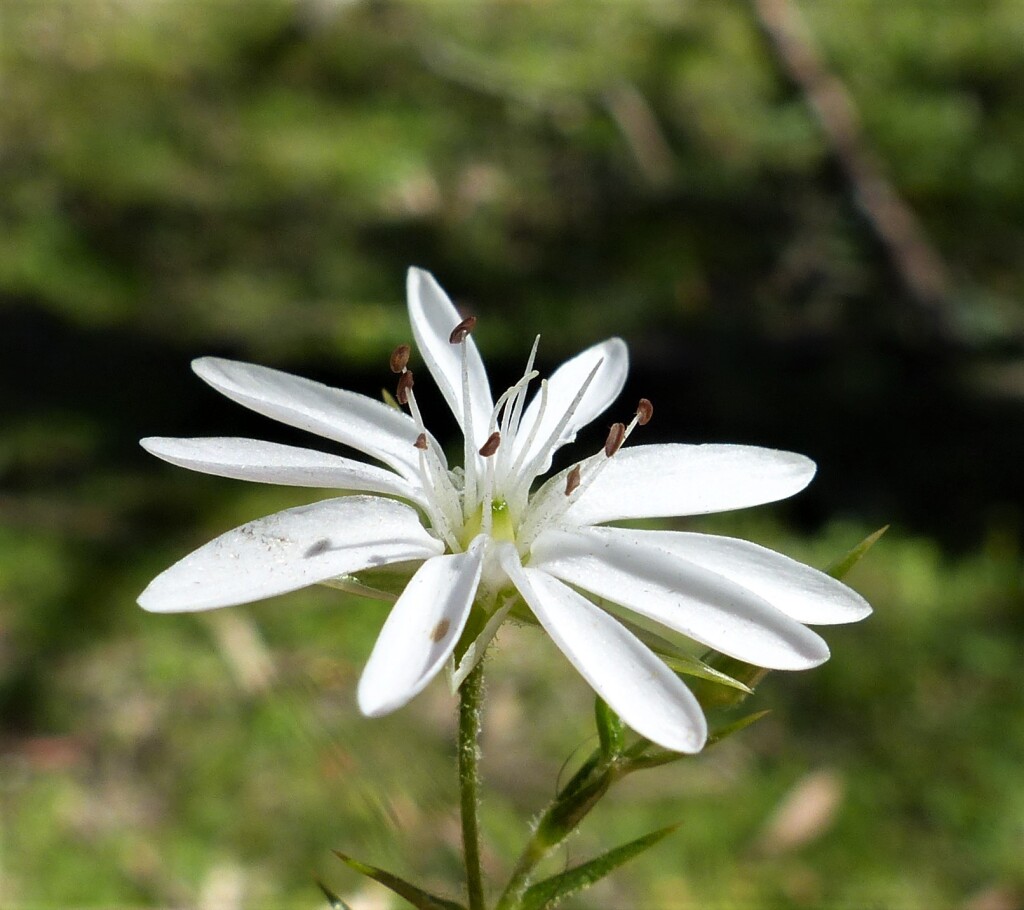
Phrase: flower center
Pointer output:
(502, 525)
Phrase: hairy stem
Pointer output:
(470, 703)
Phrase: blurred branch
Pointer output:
(634, 117)
(917, 263)
(244, 650)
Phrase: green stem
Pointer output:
(470, 702)
(558, 821)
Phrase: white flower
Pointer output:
(484, 536)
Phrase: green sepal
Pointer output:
(712, 695)
(390, 400)
(547, 893)
(639, 760)
(727, 730)
(680, 661)
(841, 566)
(479, 632)
(419, 898)
(610, 731)
(694, 666)
(336, 902)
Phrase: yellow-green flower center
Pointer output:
(501, 524)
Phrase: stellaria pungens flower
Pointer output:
(486, 537)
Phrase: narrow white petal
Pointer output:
(421, 630)
(364, 424)
(638, 687)
(655, 481)
(433, 316)
(269, 462)
(291, 550)
(682, 596)
(802, 593)
(563, 385)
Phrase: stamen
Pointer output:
(463, 329)
(528, 374)
(572, 481)
(405, 383)
(488, 497)
(443, 506)
(533, 466)
(399, 358)
(644, 412)
(616, 435)
(512, 415)
(491, 446)
(469, 455)
(547, 506)
(532, 435)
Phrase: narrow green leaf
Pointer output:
(841, 566)
(423, 900)
(547, 893)
(610, 731)
(720, 733)
(336, 902)
(694, 666)
(640, 761)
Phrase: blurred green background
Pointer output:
(811, 237)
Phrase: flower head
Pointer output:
(486, 538)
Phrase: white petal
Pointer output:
(802, 593)
(563, 386)
(700, 604)
(269, 462)
(637, 686)
(421, 630)
(364, 424)
(433, 316)
(655, 481)
(291, 550)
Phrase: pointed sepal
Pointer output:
(333, 901)
(550, 891)
(727, 730)
(712, 693)
(422, 900)
(688, 665)
(842, 566)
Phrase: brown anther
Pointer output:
(491, 446)
(399, 358)
(421, 441)
(572, 480)
(405, 383)
(644, 411)
(613, 443)
(460, 331)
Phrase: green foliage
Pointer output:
(554, 890)
(205, 176)
(419, 898)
